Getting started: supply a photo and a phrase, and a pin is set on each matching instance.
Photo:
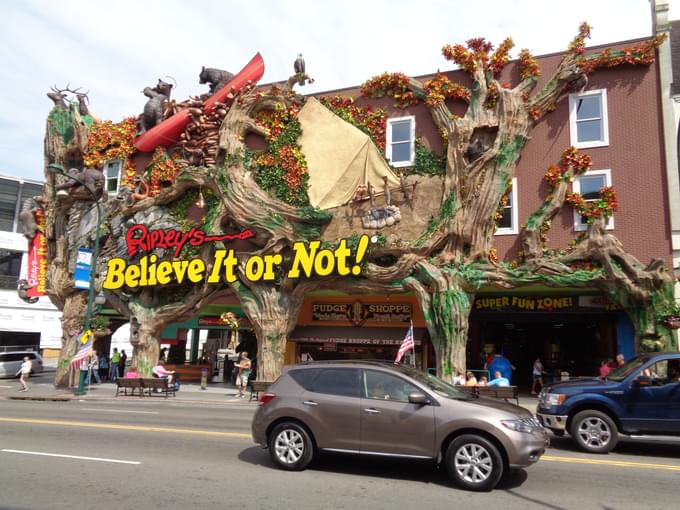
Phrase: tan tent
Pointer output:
(340, 157)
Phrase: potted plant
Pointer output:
(670, 315)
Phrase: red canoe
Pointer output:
(167, 132)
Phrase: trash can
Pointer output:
(204, 378)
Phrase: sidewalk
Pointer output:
(40, 389)
(215, 393)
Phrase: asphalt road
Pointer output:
(168, 455)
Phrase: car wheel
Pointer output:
(474, 463)
(290, 446)
(594, 432)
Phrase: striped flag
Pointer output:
(84, 350)
(406, 345)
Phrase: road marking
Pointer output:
(615, 463)
(139, 428)
(117, 411)
(115, 461)
(6, 386)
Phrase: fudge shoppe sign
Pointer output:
(357, 313)
(144, 266)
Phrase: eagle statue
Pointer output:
(299, 67)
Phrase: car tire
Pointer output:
(290, 446)
(594, 431)
(474, 463)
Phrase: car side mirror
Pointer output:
(418, 398)
(643, 380)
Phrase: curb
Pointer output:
(68, 398)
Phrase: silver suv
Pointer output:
(378, 408)
(10, 362)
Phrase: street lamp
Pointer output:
(58, 169)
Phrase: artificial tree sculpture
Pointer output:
(482, 150)
(210, 180)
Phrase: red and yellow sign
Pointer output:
(37, 259)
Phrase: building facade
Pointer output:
(34, 326)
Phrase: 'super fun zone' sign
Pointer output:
(309, 260)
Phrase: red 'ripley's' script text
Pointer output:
(140, 239)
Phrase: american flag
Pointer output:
(406, 345)
(84, 350)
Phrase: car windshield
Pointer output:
(435, 384)
(619, 374)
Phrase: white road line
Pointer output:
(117, 411)
(115, 461)
(6, 386)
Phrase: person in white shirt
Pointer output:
(25, 372)
(459, 380)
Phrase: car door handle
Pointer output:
(310, 403)
(371, 410)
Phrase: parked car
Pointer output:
(379, 408)
(10, 362)
(639, 399)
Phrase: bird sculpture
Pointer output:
(299, 67)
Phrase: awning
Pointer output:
(350, 335)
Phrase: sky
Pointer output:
(116, 48)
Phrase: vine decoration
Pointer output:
(108, 141)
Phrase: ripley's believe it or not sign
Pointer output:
(309, 260)
(37, 258)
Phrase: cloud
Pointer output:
(115, 49)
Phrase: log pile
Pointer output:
(199, 142)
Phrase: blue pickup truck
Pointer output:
(639, 399)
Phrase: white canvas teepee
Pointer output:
(339, 156)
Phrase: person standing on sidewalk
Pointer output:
(25, 372)
(94, 369)
(123, 361)
(115, 361)
(243, 374)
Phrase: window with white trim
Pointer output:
(401, 136)
(507, 224)
(112, 172)
(588, 124)
(589, 185)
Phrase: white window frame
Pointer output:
(576, 185)
(118, 179)
(573, 132)
(513, 213)
(412, 141)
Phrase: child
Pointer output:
(25, 372)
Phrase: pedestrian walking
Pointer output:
(115, 361)
(93, 369)
(25, 372)
(123, 361)
(537, 376)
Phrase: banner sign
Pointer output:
(309, 260)
(542, 304)
(357, 313)
(37, 258)
(81, 276)
(341, 340)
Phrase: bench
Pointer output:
(256, 387)
(504, 392)
(149, 384)
(131, 384)
(159, 384)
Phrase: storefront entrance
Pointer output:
(564, 342)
